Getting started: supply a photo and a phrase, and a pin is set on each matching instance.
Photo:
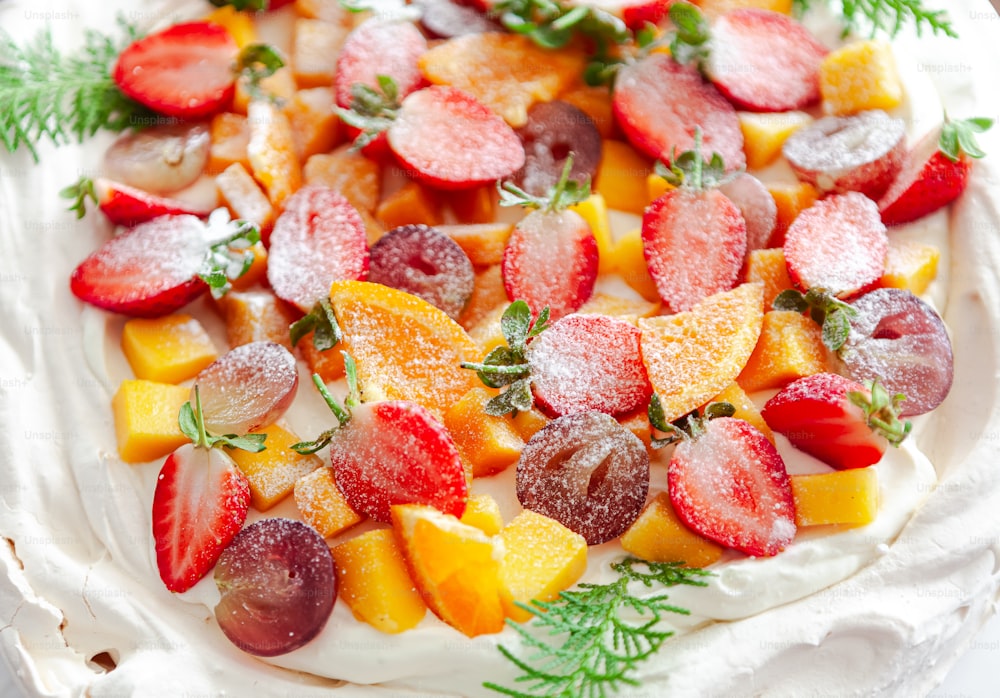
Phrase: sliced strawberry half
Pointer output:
(819, 416)
(185, 70)
(550, 260)
(319, 238)
(449, 140)
(200, 503)
(379, 48)
(764, 61)
(728, 483)
(129, 206)
(838, 244)
(659, 104)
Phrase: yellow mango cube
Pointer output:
(790, 346)
(659, 536)
(630, 262)
(272, 152)
(355, 176)
(790, 199)
(488, 443)
(745, 408)
(488, 297)
(274, 471)
(229, 134)
(529, 422)
(238, 24)
(910, 265)
(859, 76)
(145, 415)
(315, 124)
(656, 186)
(168, 349)
(373, 581)
(765, 133)
(769, 267)
(638, 424)
(322, 505)
(244, 197)
(594, 210)
(412, 203)
(255, 316)
(483, 243)
(483, 512)
(316, 45)
(839, 497)
(621, 177)
(541, 558)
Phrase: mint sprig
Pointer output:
(691, 170)
(229, 258)
(890, 16)
(191, 421)
(882, 411)
(564, 194)
(690, 426)
(341, 412)
(372, 111)
(323, 322)
(829, 312)
(958, 136)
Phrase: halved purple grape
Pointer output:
(587, 472)
(900, 340)
(278, 585)
(755, 202)
(247, 388)
(553, 131)
(423, 261)
(446, 19)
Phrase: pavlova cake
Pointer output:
(476, 349)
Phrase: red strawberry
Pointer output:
(200, 503)
(764, 61)
(319, 238)
(588, 362)
(934, 173)
(694, 237)
(838, 244)
(185, 70)
(729, 484)
(835, 419)
(379, 48)
(125, 205)
(659, 104)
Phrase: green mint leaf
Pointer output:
(836, 329)
(255, 63)
(516, 398)
(229, 258)
(541, 323)
(78, 193)
(321, 320)
(188, 423)
(719, 409)
(790, 299)
(252, 443)
(515, 324)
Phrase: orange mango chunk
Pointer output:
(456, 568)
(506, 72)
(659, 536)
(329, 363)
(315, 126)
(745, 408)
(488, 443)
(475, 204)
(859, 76)
(315, 47)
(274, 471)
(630, 262)
(656, 186)
(768, 266)
(541, 558)
(483, 243)
(693, 355)
(594, 210)
(411, 203)
(487, 333)
(628, 309)
(839, 497)
(483, 512)
(255, 316)
(358, 178)
(257, 272)
(167, 349)
(638, 424)
(790, 347)
(790, 199)
(530, 422)
(373, 581)
(238, 24)
(244, 197)
(910, 265)
(322, 505)
(488, 294)
(272, 152)
(405, 348)
(621, 177)
(765, 134)
(145, 415)
(230, 135)
(279, 87)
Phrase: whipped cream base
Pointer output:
(881, 609)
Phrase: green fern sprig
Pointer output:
(890, 16)
(45, 94)
(592, 648)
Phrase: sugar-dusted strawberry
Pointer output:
(441, 135)
(319, 238)
(727, 482)
(935, 172)
(200, 502)
(551, 255)
(764, 61)
(838, 244)
(694, 237)
(839, 421)
(162, 265)
(658, 103)
(390, 452)
(125, 205)
(379, 48)
(185, 70)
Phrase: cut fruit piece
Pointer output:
(322, 504)
(405, 348)
(791, 199)
(659, 536)
(374, 582)
(273, 472)
(349, 172)
(764, 134)
(488, 299)
(630, 262)
(768, 266)
(411, 204)
(483, 512)
(745, 408)
(316, 45)
(256, 316)
(170, 349)
(488, 443)
(456, 568)
(230, 136)
(145, 415)
(315, 125)
(244, 197)
(483, 243)
(692, 356)
(790, 346)
(541, 558)
(621, 177)
(842, 497)
(910, 266)
(861, 75)
(271, 152)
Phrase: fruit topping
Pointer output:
(727, 482)
(555, 130)
(841, 422)
(900, 340)
(862, 152)
(838, 244)
(694, 237)
(185, 70)
(247, 388)
(587, 472)
(277, 585)
(125, 205)
(160, 159)
(379, 48)
(423, 261)
(756, 205)
(447, 18)
(319, 238)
